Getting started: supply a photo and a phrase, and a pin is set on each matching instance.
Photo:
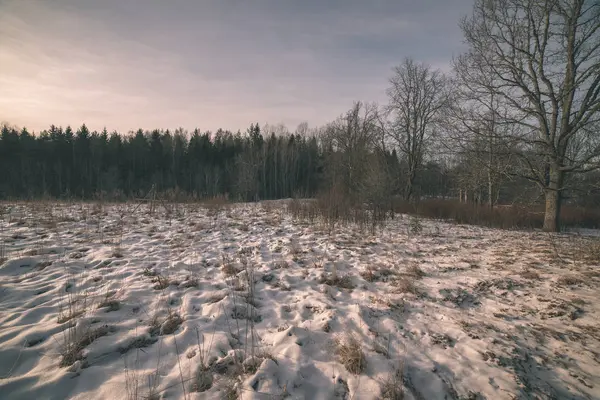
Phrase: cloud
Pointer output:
(150, 63)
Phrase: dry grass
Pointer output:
(333, 208)
(405, 284)
(165, 326)
(369, 274)
(228, 388)
(149, 272)
(161, 282)
(392, 388)
(350, 354)
(171, 324)
(76, 305)
(3, 251)
(228, 268)
(579, 249)
(377, 273)
(281, 264)
(414, 271)
(74, 342)
(139, 342)
(216, 205)
(191, 281)
(203, 380)
(64, 316)
(118, 253)
(529, 274)
(217, 297)
(295, 248)
(590, 252)
(415, 226)
(110, 305)
(504, 217)
(569, 280)
(334, 279)
(593, 273)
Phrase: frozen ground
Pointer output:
(113, 302)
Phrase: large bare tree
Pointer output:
(354, 176)
(417, 96)
(542, 58)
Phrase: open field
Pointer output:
(241, 301)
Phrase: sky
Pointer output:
(209, 64)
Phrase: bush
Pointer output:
(501, 216)
(335, 207)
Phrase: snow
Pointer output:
(146, 297)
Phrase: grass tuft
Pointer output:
(414, 270)
(529, 274)
(161, 282)
(74, 342)
(334, 279)
(405, 284)
(392, 388)
(569, 280)
(110, 305)
(350, 354)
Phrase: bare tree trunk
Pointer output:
(408, 190)
(553, 194)
(490, 177)
(492, 131)
(490, 190)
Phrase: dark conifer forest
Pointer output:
(65, 163)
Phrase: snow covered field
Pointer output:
(114, 302)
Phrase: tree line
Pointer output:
(517, 119)
(62, 163)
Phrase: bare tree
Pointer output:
(473, 128)
(543, 61)
(352, 137)
(417, 96)
(248, 183)
(302, 130)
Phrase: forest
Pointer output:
(259, 164)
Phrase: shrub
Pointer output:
(501, 216)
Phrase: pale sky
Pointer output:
(128, 64)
